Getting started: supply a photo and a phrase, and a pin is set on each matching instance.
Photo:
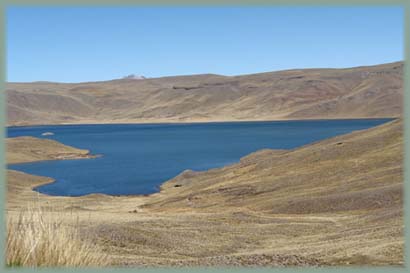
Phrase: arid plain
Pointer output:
(334, 202)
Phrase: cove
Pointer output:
(138, 158)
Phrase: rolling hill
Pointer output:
(338, 201)
(360, 92)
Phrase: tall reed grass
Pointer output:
(50, 239)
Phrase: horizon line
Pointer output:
(200, 74)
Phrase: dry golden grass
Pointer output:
(31, 149)
(35, 238)
(335, 202)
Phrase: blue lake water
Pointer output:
(138, 158)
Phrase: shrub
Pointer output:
(36, 238)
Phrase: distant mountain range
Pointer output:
(360, 92)
(134, 77)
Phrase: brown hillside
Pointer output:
(335, 202)
(360, 92)
(31, 149)
(358, 171)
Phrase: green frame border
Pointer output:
(406, 8)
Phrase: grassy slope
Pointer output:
(36, 237)
(30, 149)
(359, 171)
(338, 201)
(373, 91)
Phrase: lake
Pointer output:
(138, 158)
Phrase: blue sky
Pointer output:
(67, 44)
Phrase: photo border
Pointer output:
(94, 3)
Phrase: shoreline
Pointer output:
(269, 204)
(159, 122)
(160, 187)
(89, 156)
